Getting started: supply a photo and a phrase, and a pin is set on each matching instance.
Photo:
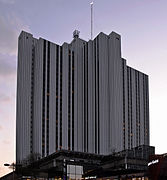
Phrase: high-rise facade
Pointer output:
(80, 96)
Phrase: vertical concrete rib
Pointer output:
(52, 102)
(24, 104)
(115, 88)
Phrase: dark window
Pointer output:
(147, 110)
(123, 71)
(128, 82)
(97, 130)
(69, 101)
(95, 99)
(139, 106)
(131, 108)
(73, 68)
(98, 110)
(57, 92)
(43, 100)
(87, 93)
(84, 98)
(48, 91)
(144, 106)
(136, 90)
(61, 86)
(32, 96)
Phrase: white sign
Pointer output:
(153, 162)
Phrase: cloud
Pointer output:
(1, 127)
(7, 1)
(7, 65)
(6, 142)
(11, 26)
(5, 98)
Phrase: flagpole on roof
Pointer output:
(91, 5)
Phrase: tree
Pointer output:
(33, 157)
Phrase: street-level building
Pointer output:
(80, 96)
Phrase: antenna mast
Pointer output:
(91, 4)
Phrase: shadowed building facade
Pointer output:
(80, 96)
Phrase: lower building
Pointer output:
(80, 97)
(158, 167)
(124, 165)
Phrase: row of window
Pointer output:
(97, 121)
(48, 91)
(61, 86)
(73, 100)
(32, 94)
(85, 99)
(123, 72)
(146, 110)
(57, 92)
(137, 108)
(137, 85)
(43, 99)
(96, 91)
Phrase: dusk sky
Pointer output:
(142, 25)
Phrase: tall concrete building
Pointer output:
(80, 96)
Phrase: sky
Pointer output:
(142, 25)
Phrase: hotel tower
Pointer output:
(80, 96)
